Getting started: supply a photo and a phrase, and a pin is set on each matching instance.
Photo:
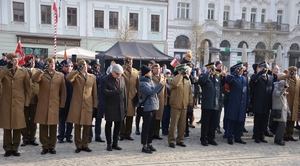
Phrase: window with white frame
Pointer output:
(244, 12)
(226, 13)
(134, 21)
(253, 15)
(211, 10)
(263, 15)
(279, 16)
(46, 14)
(99, 19)
(183, 10)
(71, 16)
(154, 23)
(18, 10)
(298, 20)
(113, 20)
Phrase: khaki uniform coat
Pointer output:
(132, 82)
(84, 98)
(181, 92)
(161, 96)
(34, 88)
(16, 94)
(51, 97)
(293, 96)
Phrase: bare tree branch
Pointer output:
(126, 33)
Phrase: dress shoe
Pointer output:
(268, 134)
(240, 141)
(52, 151)
(199, 121)
(165, 133)
(137, 132)
(224, 136)
(297, 127)
(87, 149)
(230, 142)
(7, 153)
(15, 153)
(279, 142)
(116, 147)
(286, 139)
(192, 126)
(69, 140)
(212, 142)
(181, 144)
(292, 139)
(121, 138)
(24, 143)
(129, 138)
(90, 140)
(156, 137)
(172, 145)
(219, 131)
(99, 140)
(204, 143)
(61, 141)
(109, 148)
(263, 140)
(186, 135)
(77, 150)
(257, 140)
(151, 148)
(34, 143)
(44, 151)
(245, 131)
(146, 150)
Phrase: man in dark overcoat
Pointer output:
(113, 89)
(261, 88)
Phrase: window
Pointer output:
(244, 11)
(134, 21)
(279, 16)
(263, 15)
(226, 13)
(183, 10)
(253, 15)
(18, 9)
(42, 52)
(99, 19)
(241, 46)
(113, 20)
(211, 8)
(182, 42)
(71, 16)
(298, 20)
(155, 23)
(45, 14)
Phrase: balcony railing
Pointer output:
(240, 24)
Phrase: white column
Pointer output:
(32, 15)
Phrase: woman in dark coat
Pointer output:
(113, 90)
(149, 97)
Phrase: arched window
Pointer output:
(182, 42)
(260, 46)
(225, 55)
(294, 46)
(260, 52)
(241, 46)
(225, 44)
(276, 45)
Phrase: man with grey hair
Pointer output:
(114, 91)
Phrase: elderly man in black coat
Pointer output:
(114, 91)
(262, 88)
(210, 104)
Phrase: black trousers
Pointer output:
(98, 122)
(64, 128)
(147, 127)
(260, 121)
(108, 126)
(208, 124)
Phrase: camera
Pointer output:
(292, 72)
(28, 63)
(127, 62)
(80, 68)
(46, 65)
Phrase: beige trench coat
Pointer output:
(161, 96)
(51, 97)
(84, 98)
(132, 82)
(16, 94)
(293, 96)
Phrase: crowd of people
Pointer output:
(65, 96)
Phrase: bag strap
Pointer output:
(145, 99)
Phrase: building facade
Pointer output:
(90, 24)
(262, 25)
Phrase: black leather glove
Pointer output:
(26, 108)
(9, 65)
(264, 70)
(118, 91)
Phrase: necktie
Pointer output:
(118, 82)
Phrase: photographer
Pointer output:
(292, 99)
(15, 98)
(210, 104)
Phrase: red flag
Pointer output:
(56, 13)
(174, 62)
(20, 54)
(65, 55)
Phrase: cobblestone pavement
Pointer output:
(194, 154)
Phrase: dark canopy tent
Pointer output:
(141, 53)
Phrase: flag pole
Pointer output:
(55, 24)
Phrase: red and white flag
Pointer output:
(174, 62)
(20, 54)
(55, 12)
